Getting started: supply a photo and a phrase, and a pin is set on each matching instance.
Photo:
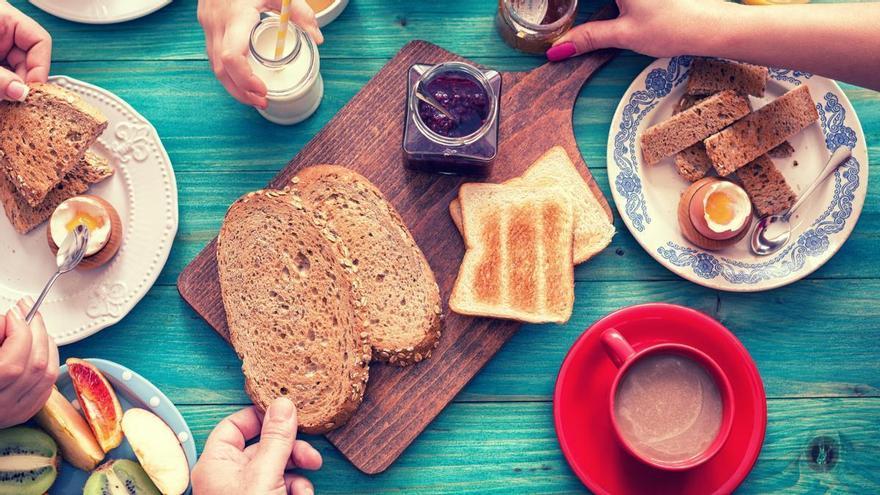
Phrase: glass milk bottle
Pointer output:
(293, 82)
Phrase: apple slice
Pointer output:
(98, 401)
(69, 429)
(157, 449)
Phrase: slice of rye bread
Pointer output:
(686, 101)
(24, 217)
(761, 130)
(766, 186)
(709, 76)
(693, 163)
(518, 261)
(291, 309)
(784, 150)
(554, 169)
(692, 125)
(44, 137)
(401, 309)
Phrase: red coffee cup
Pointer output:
(624, 357)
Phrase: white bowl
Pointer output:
(330, 14)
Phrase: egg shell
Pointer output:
(109, 250)
(687, 227)
(697, 214)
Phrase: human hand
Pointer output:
(25, 53)
(650, 27)
(228, 466)
(28, 365)
(228, 25)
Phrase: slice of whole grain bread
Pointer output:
(24, 217)
(401, 309)
(709, 76)
(692, 162)
(692, 125)
(291, 309)
(766, 186)
(44, 137)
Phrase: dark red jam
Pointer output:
(461, 96)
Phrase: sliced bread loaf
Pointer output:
(692, 125)
(401, 299)
(24, 217)
(518, 258)
(761, 130)
(291, 308)
(44, 137)
(766, 186)
(692, 162)
(709, 76)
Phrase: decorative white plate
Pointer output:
(100, 11)
(647, 196)
(132, 390)
(144, 192)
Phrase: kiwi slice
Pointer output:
(120, 477)
(29, 461)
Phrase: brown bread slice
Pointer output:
(518, 258)
(766, 186)
(709, 76)
(784, 150)
(761, 130)
(692, 125)
(693, 163)
(401, 309)
(44, 137)
(291, 309)
(686, 102)
(24, 217)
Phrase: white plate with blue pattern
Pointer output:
(647, 197)
(133, 390)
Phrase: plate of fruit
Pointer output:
(104, 430)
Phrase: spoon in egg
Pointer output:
(70, 253)
(772, 232)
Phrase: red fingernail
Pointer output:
(561, 51)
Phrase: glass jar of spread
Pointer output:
(461, 136)
(533, 25)
(293, 82)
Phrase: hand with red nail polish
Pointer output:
(28, 365)
(25, 53)
(227, 25)
(229, 465)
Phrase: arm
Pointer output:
(839, 41)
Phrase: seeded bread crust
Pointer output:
(390, 266)
(761, 130)
(766, 186)
(44, 137)
(291, 308)
(692, 125)
(709, 76)
(24, 217)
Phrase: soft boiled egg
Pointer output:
(90, 211)
(720, 210)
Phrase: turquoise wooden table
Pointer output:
(816, 343)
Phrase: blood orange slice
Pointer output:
(98, 401)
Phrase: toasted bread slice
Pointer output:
(291, 309)
(554, 169)
(44, 137)
(401, 309)
(693, 163)
(766, 186)
(693, 125)
(24, 217)
(761, 130)
(709, 76)
(518, 262)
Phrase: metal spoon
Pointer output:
(433, 103)
(71, 252)
(763, 241)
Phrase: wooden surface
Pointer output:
(366, 136)
(816, 343)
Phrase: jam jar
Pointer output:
(462, 138)
(533, 25)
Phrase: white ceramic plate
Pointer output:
(132, 390)
(647, 196)
(144, 192)
(100, 11)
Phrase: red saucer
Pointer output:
(583, 425)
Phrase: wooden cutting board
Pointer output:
(366, 135)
